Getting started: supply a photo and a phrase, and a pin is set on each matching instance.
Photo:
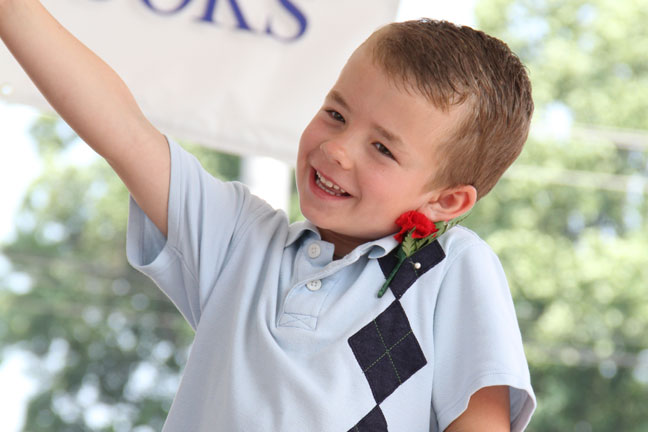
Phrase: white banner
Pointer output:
(244, 76)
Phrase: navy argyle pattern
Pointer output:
(386, 348)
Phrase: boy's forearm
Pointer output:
(92, 99)
(85, 91)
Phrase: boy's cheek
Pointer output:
(305, 144)
(315, 130)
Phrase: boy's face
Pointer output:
(368, 155)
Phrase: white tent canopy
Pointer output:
(243, 76)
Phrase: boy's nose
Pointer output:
(336, 151)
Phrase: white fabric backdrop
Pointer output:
(240, 75)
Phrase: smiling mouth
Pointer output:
(328, 186)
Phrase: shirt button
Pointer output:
(314, 250)
(314, 285)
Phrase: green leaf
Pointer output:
(409, 245)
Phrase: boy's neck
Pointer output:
(343, 244)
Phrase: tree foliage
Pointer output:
(111, 345)
(569, 220)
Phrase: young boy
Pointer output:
(290, 334)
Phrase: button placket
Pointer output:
(302, 306)
(311, 285)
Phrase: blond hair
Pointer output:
(454, 65)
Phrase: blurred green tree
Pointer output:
(110, 344)
(569, 219)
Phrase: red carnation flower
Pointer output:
(421, 225)
(417, 231)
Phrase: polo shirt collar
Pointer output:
(381, 247)
(297, 229)
(375, 249)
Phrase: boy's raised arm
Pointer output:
(93, 100)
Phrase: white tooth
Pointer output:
(326, 185)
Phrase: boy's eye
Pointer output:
(335, 115)
(384, 150)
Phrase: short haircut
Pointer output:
(456, 66)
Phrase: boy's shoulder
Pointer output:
(459, 238)
(458, 257)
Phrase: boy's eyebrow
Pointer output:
(389, 136)
(337, 97)
(392, 138)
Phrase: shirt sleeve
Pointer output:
(205, 216)
(477, 338)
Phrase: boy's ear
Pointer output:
(449, 203)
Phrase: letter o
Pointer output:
(177, 9)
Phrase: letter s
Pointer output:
(297, 14)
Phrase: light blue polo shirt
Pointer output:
(289, 339)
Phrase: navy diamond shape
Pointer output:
(372, 422)
(387, 351)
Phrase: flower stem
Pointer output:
(401, 258)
